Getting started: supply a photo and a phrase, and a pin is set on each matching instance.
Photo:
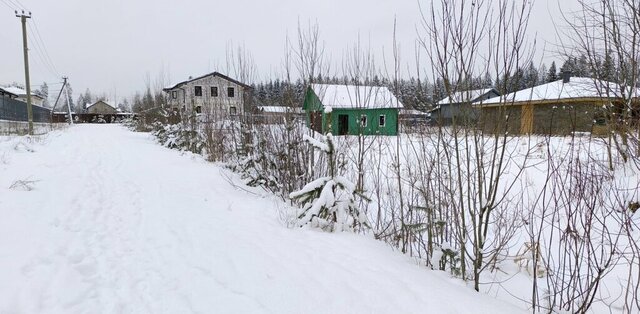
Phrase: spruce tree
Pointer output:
(329, 202)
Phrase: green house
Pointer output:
(351, 109)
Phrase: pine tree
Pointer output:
(531, 76)
(329, 202)
(606, 69)
(552, 75)
(569, 66)
(487, 81)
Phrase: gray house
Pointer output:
(458, 105)
(208, 94)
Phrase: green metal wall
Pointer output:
(372, 128)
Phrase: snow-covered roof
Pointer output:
(19, 91)
(352, 96)
(279, 109)
(577, 87)
(413, 112)
(5, 91)
(464, 96)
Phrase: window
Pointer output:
(214, 91)
(174, 94)
(382, 120)
(363, 120)
(233, 110)
(199, 109)
(231, 92)
(197, 90)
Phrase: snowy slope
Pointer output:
(116, 223)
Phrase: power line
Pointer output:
(41, 51)
(17, 5)
(40, 60)
(20, 3)
(46, 51)
(8, 6)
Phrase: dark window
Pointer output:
(233, 110)
(363, 120)
(174, 94)
(198, 91)
(199, 109)
(214, 91)
(231, 92)
(381, 120)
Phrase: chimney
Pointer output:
(566, 77)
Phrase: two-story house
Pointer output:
(208, 94)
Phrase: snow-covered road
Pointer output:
(117, 223)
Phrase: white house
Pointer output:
(210, 93)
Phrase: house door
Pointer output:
(343, 124)
(316, 121)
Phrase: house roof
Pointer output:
(5, 90)
(218, 74)
(576, 88)
(465, 96)
(17, 91)
(106, 102)
(355, 96)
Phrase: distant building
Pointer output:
(210, 93)
(351, 109)
(277, 114)
(572, 104)
(21, 95)
(412, 118)
(102, 107)
(458, 106)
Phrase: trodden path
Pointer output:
(118, 224)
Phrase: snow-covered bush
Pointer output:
(258, 170)
(176, 136)
(329, 202)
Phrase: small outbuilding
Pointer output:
(351, 109)
(457, 107)
(572, 104)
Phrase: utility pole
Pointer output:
(23, 18)
(68, 99)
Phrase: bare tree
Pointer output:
(462, 38)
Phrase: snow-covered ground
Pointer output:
(115, 223)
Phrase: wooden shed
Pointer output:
(572, 104)
(351, 109)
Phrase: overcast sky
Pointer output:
(110, 46)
